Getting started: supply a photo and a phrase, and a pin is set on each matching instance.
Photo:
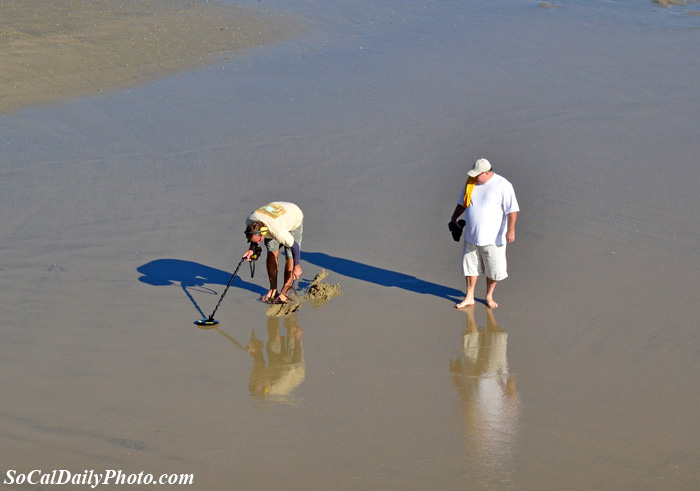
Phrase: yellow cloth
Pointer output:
(468, 188)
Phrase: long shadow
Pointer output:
(161, 272)
(379, 276)
(190, 275)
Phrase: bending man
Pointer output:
(278, 224)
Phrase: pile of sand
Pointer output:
(321, 292)
(316, 294)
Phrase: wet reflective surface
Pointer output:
(489, 398)
(121, 216)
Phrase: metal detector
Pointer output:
(210, 321)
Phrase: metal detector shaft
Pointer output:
(211, 317)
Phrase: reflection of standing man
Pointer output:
(491, 211)
(488, 395)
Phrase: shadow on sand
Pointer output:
(379, 276)
(190, 275)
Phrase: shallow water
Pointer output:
(121, 218)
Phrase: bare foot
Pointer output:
(464, 303)
(490, 303)
(269, 296)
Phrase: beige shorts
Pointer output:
(273, 245)
(490, 259)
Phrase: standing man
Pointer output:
(491, 211)
(277, 223)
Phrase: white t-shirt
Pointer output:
(279, 217)
(487, 214)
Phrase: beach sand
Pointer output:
(122, 215)
(56, 50)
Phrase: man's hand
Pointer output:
(510, 232)
(247, 254)
(296, 274)
(456, 229)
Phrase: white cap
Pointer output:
(481, 165)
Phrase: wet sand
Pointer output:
(55, 50)
(122, 214)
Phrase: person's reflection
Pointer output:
(488, 395)
(285, 368)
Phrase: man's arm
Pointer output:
(510, 233)
(296, 255)
(459, 209)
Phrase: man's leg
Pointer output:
(469, 299)
(289, 264)
(288, 269)
(272, 269)
(495, 266)
(471, 269)
(490, 287)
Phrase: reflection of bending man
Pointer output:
(285, 368)
(488, 394)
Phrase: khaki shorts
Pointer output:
(273, 245)
(490, 259)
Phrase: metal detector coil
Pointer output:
(210, 322)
